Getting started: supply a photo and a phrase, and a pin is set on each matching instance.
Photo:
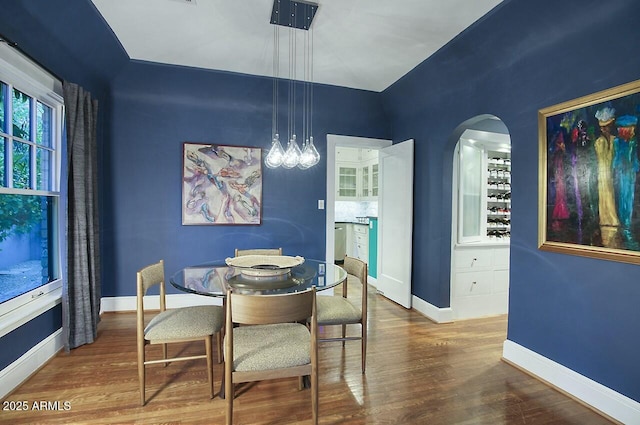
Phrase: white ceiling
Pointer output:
(364, 44)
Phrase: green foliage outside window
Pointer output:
(19, 214)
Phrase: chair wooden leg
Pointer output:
(314, 397)
(219, 342)
(344, 334)
(364, 347)
(229, 394)
(141, 372)
(164, 354)
(209, 350)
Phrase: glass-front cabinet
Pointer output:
(484, 193)
(356, 174)
(347, 181)
(471, 193)
(364, 182)
(374, 179)
(369, 181)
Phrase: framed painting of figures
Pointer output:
(589, 193)
(221, 184)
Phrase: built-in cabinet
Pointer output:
(356, 174)
(358, 241)
(482, 217)
(480, 281)
(361, 242)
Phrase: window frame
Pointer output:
(19, 72)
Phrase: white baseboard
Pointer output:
(21, 369)
(601, 398)
(437, 314)
(152, 302)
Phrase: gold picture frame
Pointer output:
(588, 164)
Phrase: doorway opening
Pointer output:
(339, 226)
(390, 255)
(481, 219)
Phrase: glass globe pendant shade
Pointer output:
(310, 155)
(275, 157)
(305, 157)
(292, 155)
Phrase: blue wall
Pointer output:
(582, 313)
(523, 56)
(156, 108)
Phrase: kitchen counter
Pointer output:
(356, 221)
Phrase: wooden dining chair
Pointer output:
(259, 251)
(341, 310)
(197, 323)
(273, 341)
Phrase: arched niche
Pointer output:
(479, 192)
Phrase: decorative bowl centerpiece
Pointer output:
(264, 266)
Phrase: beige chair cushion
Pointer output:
(334, 310)
(186, 322)
(267, 347)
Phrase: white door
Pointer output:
(395, 222)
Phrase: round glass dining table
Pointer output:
(213, 279)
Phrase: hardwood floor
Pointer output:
(418, 372)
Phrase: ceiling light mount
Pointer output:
(295, 14)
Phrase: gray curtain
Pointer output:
(82, 288)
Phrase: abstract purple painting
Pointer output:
(221, 184)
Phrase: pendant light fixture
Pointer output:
(295, 15)
(275, 157)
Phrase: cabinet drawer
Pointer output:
(501, 258)
(501, 281)
(361, 229)
(362, 239)
(473, 258)
(362, 252)
(473, 283)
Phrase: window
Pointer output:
(30, 141)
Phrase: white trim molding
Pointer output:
(587, 391)
(41, 303)
(12, 376)
(152, 302)
(437, 314)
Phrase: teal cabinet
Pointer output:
(373, 247)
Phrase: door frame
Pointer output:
(333, 141)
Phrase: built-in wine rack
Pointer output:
(498, 195)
